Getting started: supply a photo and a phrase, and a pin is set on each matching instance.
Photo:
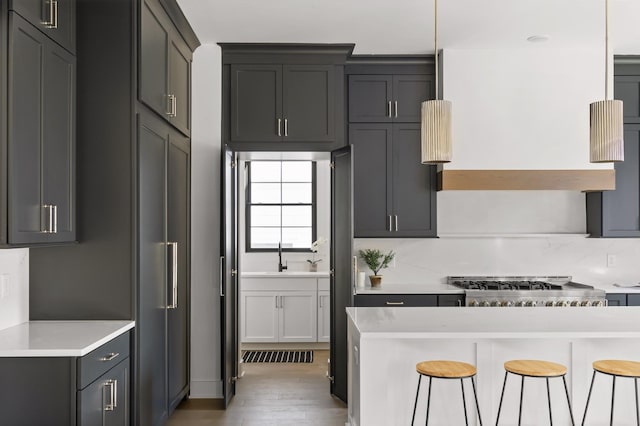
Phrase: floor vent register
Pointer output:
(278, 356)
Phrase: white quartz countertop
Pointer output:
(59, 338)
(537, 322)
(392, 288)
(285, 274)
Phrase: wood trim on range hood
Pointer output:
(568, 180)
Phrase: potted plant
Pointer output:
(376, 260)
(313, 262)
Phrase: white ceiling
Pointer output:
(406, 26)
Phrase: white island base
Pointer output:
(385, 344)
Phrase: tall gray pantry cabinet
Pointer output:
(133, 184)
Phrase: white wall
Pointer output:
(265, 262)
(14, 287)
(205, 223)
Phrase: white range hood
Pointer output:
(521, 119)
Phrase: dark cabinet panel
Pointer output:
(106, 401)
(41, 138)
(372, 153)
(395, 300)
(55, 18)
(409, 91)
(616, 299)
(309, 103)
(627, 89)
(178, 232)
(180, 84)
(633, 299)
(370, 98)
(256, 103)
(152, 254)
(414, 186)
(154, 50)
(451, 300)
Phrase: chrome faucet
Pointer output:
(281, 267)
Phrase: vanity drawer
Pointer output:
(397, 300)
(102, 359)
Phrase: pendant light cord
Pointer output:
(606, 50)
(435, 39)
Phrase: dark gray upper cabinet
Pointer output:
(282, 103)
(55, 18)
(617, 213)
(42, 108)
(394, 194)
(165, 67)
(387, 98)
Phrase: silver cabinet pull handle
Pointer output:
(113, 395)
(174, 275)
(394, 303)
(277, 301)
(173, 106)
(55, 14)
(50, 226)
(46, 218)
(396, 108)
(459, 302)
(279, 127)
(110, 356)
(286, 127)
(354, 276)
(396, 219)
(221, 264)
(55, 219)
(389, 109)
(389, 222)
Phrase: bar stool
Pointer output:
(534, 368)
(615, 368)
(446, 370)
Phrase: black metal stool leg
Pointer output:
(464, 403)
(549, 399)
(428, 401)
(586, 407)
(475, 396)
(504, 384)
(566, 391)
(635, 380)
(521, 396)
(613, 398)
(416, 404)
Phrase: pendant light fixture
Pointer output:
(607, 129)
(436, 118)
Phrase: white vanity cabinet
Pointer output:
(286, 308)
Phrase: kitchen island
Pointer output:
(386, 343)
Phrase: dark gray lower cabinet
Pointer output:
(451, 300)
(397, 300)
(616, 299)
(61, 392)
(394, 194)
(633, 299)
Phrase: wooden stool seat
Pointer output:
(535, 368)
(618, 367)
(446, 369)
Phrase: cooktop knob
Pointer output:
(519, 303)
(575, 303)
(495, 303)
(507, 303)
(485, 303)
(531, 303)
(599, 303)
(474, 303)
(585, 303)
(562, 303)
(550, 303)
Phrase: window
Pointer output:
(281, 205)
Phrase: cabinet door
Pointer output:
(27, 52)
(409, 91)
(259, 316)
(154, 49)
(152, 271)
(55, 18)
(414, 186)
(371, 179)
(308, 103)
(621, 208)
(633, 299)
(59, 162)
(451, 300)
(180, 84)
(324, 316)
(627, 89)
(616, 299)
(105, 402)
(370, 98)
(178, 199)
(298, 316)
(256, 103)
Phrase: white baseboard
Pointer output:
(206, 389)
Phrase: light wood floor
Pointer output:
(274, 394)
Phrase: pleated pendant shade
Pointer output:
(607, 132)
(436, 137)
